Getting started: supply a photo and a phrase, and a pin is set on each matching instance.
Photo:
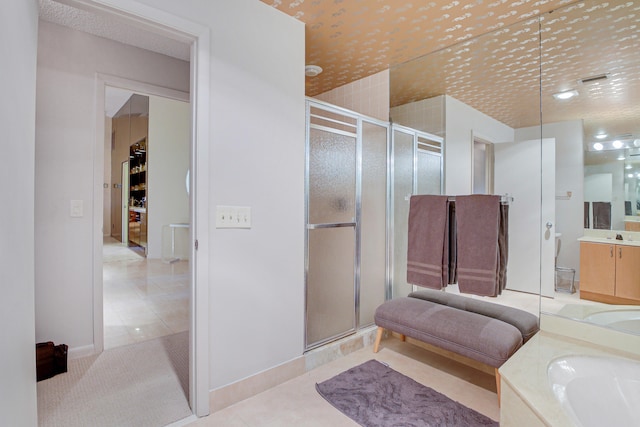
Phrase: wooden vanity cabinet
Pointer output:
(628, 272)
(610, 273)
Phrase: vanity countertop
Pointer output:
(526, 372)
(609, 240)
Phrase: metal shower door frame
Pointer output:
(356, 224)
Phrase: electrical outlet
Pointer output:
(233, 217)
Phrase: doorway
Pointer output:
(145, 297)
(90, 93)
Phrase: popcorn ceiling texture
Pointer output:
(112, 28)
(353, 39)
(486, 54)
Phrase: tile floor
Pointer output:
(297, 403)
(142, 298)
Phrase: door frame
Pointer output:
(124, 208)
(172, 26)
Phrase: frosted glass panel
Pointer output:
(402, 187)
(373, 253)
(330, 283)
(428, 173)
(332, 177)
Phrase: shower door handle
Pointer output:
(330, 225)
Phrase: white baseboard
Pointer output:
(240, 390)
(225, 396)
(83, 351)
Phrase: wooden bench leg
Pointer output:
(378, 339)
(403, 338)
(498, 385)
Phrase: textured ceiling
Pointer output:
(486, 53)
(112, 28)
(499, 73)
(351, 39)
(492, 55)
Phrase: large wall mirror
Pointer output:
(465, 94)
(591, 57)
(510, 90)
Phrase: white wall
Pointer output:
(257, 133)
(462, 122)
(65, 148)
(18, 31)
(569, 177)
(167, 165)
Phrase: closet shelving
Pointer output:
(138, 193)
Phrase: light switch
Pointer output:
(243, 217)
(76, 210)
(233, 217)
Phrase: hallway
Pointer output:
(143, 298)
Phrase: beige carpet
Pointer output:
(142, 384)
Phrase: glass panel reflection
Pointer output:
(402, 187)
(373, 251)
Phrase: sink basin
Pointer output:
(597, 391)
(624, 320)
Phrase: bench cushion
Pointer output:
(526, 323)
(469, 334)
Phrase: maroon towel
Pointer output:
(479, 222)
(427, 252)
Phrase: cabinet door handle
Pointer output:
(611, 251)
(620, 253)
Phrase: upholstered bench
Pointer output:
(482, 331)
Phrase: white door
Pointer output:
(526, 171)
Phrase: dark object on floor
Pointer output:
(51, 359)
(374, 395)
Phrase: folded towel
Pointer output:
(478, 221)
(451, 239)
(428, 250)
(503, 247)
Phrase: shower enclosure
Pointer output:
(349, 215)
(417, 169)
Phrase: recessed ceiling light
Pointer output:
(630, 175)
(636, 142)
(312, 70)
(621, 157)
(597, 146)
(601, 136)
(628, 167)
(567, 94)
(617, 144)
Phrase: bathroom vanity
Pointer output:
(610, 270)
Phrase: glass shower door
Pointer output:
(331, 229)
